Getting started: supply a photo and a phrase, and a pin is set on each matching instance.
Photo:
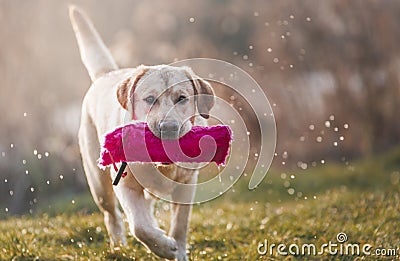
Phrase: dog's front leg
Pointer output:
(139, 212)
(180, 215)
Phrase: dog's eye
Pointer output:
(150, 100)
(181, 99)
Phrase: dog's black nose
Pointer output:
(169, 129)
(169, 126)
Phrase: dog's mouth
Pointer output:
(169, 130)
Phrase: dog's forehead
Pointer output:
(164, 78)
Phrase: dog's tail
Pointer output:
(95, 55)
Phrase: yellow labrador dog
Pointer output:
(145, 93)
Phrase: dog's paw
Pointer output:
(165, 247)
(181, 256)
(156, 240)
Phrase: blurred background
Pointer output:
(329, 68)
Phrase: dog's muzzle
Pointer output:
(169, 129)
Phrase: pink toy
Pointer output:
(136, 143)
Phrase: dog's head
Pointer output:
(166, 97)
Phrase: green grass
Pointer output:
(362, 200)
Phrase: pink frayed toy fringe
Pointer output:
(136, 143)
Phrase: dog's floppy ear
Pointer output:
(203, 92)
(126, 89)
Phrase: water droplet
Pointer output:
(302, 138)
(335, 143)
(73, 201)
(25, 114)
(39, 156)
(35, 152)
(290, 191)
(255, 154)
(346, 126)
(292, 176)
(291, 17)
(48, 182)
(251, 64)
(304, 165)
(61, 177)
(332, 117)
(26, 172)
(6, 209)
(23, 162)
(245, 57)
(3, 154)
(327, 124)
(283, 176)
(323, 161)
(191, 19)
(336, 129)
(46, 154)
(311, 127)
(32, 189)
(308, 19)
(319, 139)
(314, 164)
(11, 145)
(286, 184)
(256, 14)
(11, 193)
(341, 138)
(276, 60)
(269, 50)
(5, 180)
(285, 155)
(251, 47)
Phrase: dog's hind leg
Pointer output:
(100, 182)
